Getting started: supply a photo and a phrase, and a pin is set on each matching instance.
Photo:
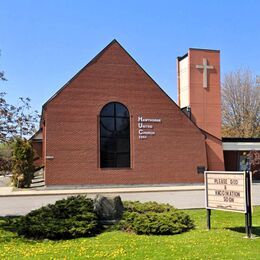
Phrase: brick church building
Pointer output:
(113, 124)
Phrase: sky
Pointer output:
(45, 43)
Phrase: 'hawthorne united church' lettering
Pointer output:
(225, 191)
(146, 127)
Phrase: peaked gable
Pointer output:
(73, 126)
(95, 59)
(114, 61)
(78, 73)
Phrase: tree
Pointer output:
(25, 119)
(23, 167)
(5, 158)
(254, 160)
(2, 74)
(7, 127)
(240, 105)
(16, 121)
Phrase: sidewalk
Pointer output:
(10, 192)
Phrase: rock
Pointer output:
(109, 209)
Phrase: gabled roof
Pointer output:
(95, 59)
(76, 75)
(37, 135)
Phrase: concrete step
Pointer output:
(38, 177)
(38, 173)
(40, 180)
(37, 184)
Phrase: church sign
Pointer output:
(146, 126)
(225, 191)
(229, 191)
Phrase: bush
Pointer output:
(151, 218)
(151, 206)
(23, 168)
(68, 218)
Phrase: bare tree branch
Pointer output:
(16, 121)
(240, 105)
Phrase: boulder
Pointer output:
(109, 209)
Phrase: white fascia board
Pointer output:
(241, 146)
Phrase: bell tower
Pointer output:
(199, 97)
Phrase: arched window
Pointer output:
(114, 136)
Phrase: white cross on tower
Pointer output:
(205, 68)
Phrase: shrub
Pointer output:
(23, 168)
(151, 206)
(67, 218)
(151, 218)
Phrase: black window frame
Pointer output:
(111, 135)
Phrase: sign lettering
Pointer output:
(225, 191)
(146, 127)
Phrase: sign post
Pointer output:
(229, 191)
(248, 214)
(208, 218)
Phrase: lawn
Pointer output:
(226, 240)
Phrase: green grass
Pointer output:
(226, 240)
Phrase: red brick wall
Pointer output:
(205, 103)
(215, 154)
(72, 128)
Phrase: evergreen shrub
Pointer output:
(22, 168)
(67, 218)
(151, 206)
(151, 218)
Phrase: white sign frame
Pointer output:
(225, 208)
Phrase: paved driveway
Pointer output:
(21, 205)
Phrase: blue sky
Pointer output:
(44, 43)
